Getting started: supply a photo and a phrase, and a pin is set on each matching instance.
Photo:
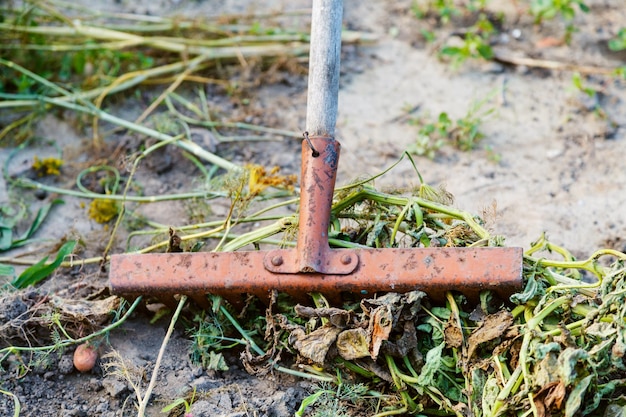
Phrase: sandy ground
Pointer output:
(547, 164)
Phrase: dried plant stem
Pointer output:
(90, 109)
(553, 65)
(155, 372)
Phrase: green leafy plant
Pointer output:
(463, 133)
(618, 43)
(444, 10)
(333, 399)
(184, 403)
(549, 9)
(591, 92)
(474, 43)
(209, 336)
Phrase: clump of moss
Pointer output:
(103, 210)
(47, 166)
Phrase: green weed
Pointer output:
(330, 400)
(591, 92)
(9, 219)
(475, 43)
(463, 133)
(444, 10)
(618, 43)
(41, 270)
(185, 403)
(549, 9)
(209, 336)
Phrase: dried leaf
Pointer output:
(336, 316)
(316, 344)
(381, 323)
(405, 305)
(549, 399)
(404, 345)
(494, 326)
(601, 330)
(92, 311)
(452, 333)
(353, 344)
(174, 242)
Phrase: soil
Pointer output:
(548, 163)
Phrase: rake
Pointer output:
(312, 266)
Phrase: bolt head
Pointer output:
(346, 259)
(277, 260)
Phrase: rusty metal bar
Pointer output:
(432, 270)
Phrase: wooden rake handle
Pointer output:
(324, 62)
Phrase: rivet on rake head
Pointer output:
(346, 259)
(277, 260)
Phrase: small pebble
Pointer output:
(41, 194)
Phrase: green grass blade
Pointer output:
(39, 219)
(41, 270)
(17, 407)
(7, 270)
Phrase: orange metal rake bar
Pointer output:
(313, 266)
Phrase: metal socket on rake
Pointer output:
(313, 266)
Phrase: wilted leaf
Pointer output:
(576, 397)
(614, 410)
(336, 316)
(376, 237)
(316, 344)
(494, 326)
(217, 362)
(490, 393)
(547, 370)
(531, 290)
(601, 330)
(353, 344)
(92, 311)
(431, 366)
(452, 333)
(568, 364)
(549, 398)
(381, 323)
(618, 351)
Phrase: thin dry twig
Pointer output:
(155, 372)
(553, 65)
